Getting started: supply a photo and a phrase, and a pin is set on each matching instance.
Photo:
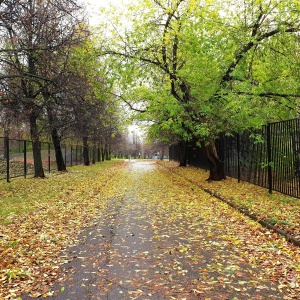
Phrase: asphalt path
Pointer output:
(129, 254)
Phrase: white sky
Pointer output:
(98, 3)
(94, 5)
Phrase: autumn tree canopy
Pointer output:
(50, 76)
(198, 68)
(36, 40)
(190, 69)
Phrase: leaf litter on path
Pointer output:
(276, 210)
(31, 244)
(170, 241)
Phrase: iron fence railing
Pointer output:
(269, 157)
(16, 157)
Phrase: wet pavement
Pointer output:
(137, 248)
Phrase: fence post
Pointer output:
(269, 153)
(76, 163)
(25, 158)
(6, 142)
(49, 158)
(71, 156)
(238, 157)
(65, 154)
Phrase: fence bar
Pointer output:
(278, 154)
(71, 155)
(297, 156)
(76, 162)
(6, 143)
(25, 158)
(65, 155)
(238, 157)
(21, 153)
(269, 153)
(49, 158)
(270, 159)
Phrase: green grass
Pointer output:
(22, 196)
(288, 200)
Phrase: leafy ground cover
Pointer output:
(41, 217)
(278, 210)
(197, 246)
(16, 168)
(174, 241)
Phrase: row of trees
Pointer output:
(50, 77)
(194, 69)
(190, 69)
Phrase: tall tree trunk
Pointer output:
(107, 153)
(61, 166)
(217, 172)
(103, 153)
(99, 153)
(182, 154)
(162, 153)
(86, 160)
(36, 147)
(94, 155)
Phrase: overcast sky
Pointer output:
(94, 5)
(98, 3)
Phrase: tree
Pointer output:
(90, 107)
(36, 35)
(197, 69)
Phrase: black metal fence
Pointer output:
(269, 157)
(16, 157)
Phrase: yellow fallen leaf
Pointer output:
(183, 250)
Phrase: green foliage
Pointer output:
(198, 70)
